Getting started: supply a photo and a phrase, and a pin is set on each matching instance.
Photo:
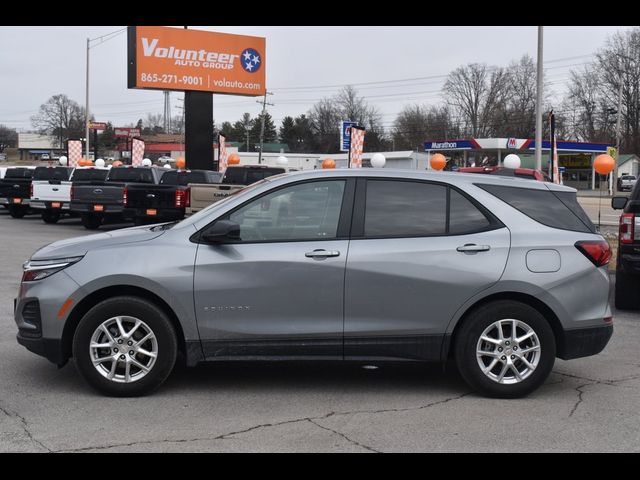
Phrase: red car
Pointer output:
(508, 172)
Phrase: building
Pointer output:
(629, 164)
(575, 159)
(32, 146)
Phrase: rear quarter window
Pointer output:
(554, 209)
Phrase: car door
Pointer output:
(279, 290)
(419, 250)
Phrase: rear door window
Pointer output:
(553, 209)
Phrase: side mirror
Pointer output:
(618, 203)
(221, 232)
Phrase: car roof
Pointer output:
(453, 178)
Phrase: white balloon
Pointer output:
(146, 162)
(512, 161)
(378, 160)
(100, 162)
(109, 167)
(64, 161)
(282, 160)
(167, 166)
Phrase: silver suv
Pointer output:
(499, 275)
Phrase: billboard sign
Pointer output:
(127, 132)
(97, 126)
(345, 135)
(180, 59)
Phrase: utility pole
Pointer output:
(86, 120)
(539, 81)
(264, 110)
(167, 112)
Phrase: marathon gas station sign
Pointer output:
(180, 59)
(512, 144)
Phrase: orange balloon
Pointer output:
(180, 163)
(328, 163)
(604, 164)
(438, 161)
(234, 159)
(117, 163)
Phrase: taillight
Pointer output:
(626, 232)
(124, 196)
(598, 251)
(182, 198)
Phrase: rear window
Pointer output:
(89, 174)
(183, 178)
(19, 173)
(553, 209)
(55, 173)
(127, 174)
(247, 176)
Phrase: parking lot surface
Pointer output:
(588, 404)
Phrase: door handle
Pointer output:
(473, 248)
(322, 254)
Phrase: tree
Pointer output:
(60, 117)
(297, 134)
(477, 92)
(415, 124)
(325, 119)
(270, 133)
(107, 139)
(8, 138)
(154, 124)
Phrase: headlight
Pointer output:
(39, 269)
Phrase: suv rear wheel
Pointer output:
(50, 216)
(91, 222)
(125, 346)
(505, 349)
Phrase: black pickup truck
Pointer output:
(96, 200)
(168, 200)
(15, 190)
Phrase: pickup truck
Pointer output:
(235, 178)
(52, 197)
(15, 191)
(168, 200)
(96, 200)
(626, 183)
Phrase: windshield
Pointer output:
(89, 174)
(55, 173)
(128, 174)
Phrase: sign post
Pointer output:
(345, 134)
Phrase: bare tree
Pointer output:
(8, 138)
(325, 117)
(477, 92)
(416, 124)
(60, 117)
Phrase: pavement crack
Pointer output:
(580, 399)
(350, 440)
(25, 427)
(228, 435)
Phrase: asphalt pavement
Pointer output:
(586, 405)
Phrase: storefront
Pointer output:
(575, 159)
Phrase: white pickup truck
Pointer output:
(235, 178)
(51, 188)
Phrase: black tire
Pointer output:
(50, 216)
(157, 321)
(627, 291)
(17, 211)
(469, 334)
(91, 222)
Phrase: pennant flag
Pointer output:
(356, 146)
(74, 152)
(222, 153)
(137, 152)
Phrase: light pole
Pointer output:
(539, 79)
(264, 110)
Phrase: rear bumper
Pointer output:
(164, 213)
(584, 342)
(11, 201)
(89, 208)
(49, 348)
(46, 205)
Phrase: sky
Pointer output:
(304, 64)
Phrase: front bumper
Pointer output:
(49, 348)
(584, 342)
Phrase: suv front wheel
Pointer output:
(505, 349)
(125, 346)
